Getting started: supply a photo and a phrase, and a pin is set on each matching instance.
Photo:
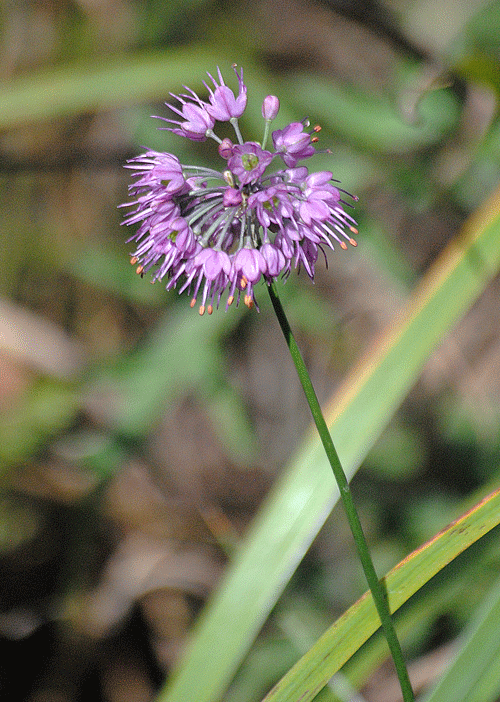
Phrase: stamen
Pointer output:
(248, 301)
(139, 270)
(134, 260)
(192, 303)
(353, 242)
(343, 245)
(202, 310)
(243, 282)
(210, 309)
(230, 300)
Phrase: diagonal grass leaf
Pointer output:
(309, 675)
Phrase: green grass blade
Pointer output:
(374, 124)
(309, 675)
(304, 496)
(474, 675)
(167, 366)
(116, 82)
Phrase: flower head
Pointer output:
(215, 232)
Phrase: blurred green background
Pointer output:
(137, 440)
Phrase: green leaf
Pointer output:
(309, 675)
(47, 407)
(474, 675)
(374, 124)
(118, 82)
(111, 83)
(300, 502)
(170, 363)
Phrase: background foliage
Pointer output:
(137, 440)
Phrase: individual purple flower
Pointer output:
(249, 161)
(215, 232)
(197, 121)
(274, 258)
(159, 169)
(248, 265)
(293, 144)
(213, 267)
(223, 104)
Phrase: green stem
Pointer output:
(376, 587)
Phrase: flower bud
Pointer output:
(226, 148)
(232, 197)
(270, 107)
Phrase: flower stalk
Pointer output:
(376, 587)
(215, 232)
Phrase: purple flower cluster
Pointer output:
(214, 231)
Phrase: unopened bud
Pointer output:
(226, 148)
(270, 107)
(228, 177)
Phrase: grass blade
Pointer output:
(309, 675)
(474, 675)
